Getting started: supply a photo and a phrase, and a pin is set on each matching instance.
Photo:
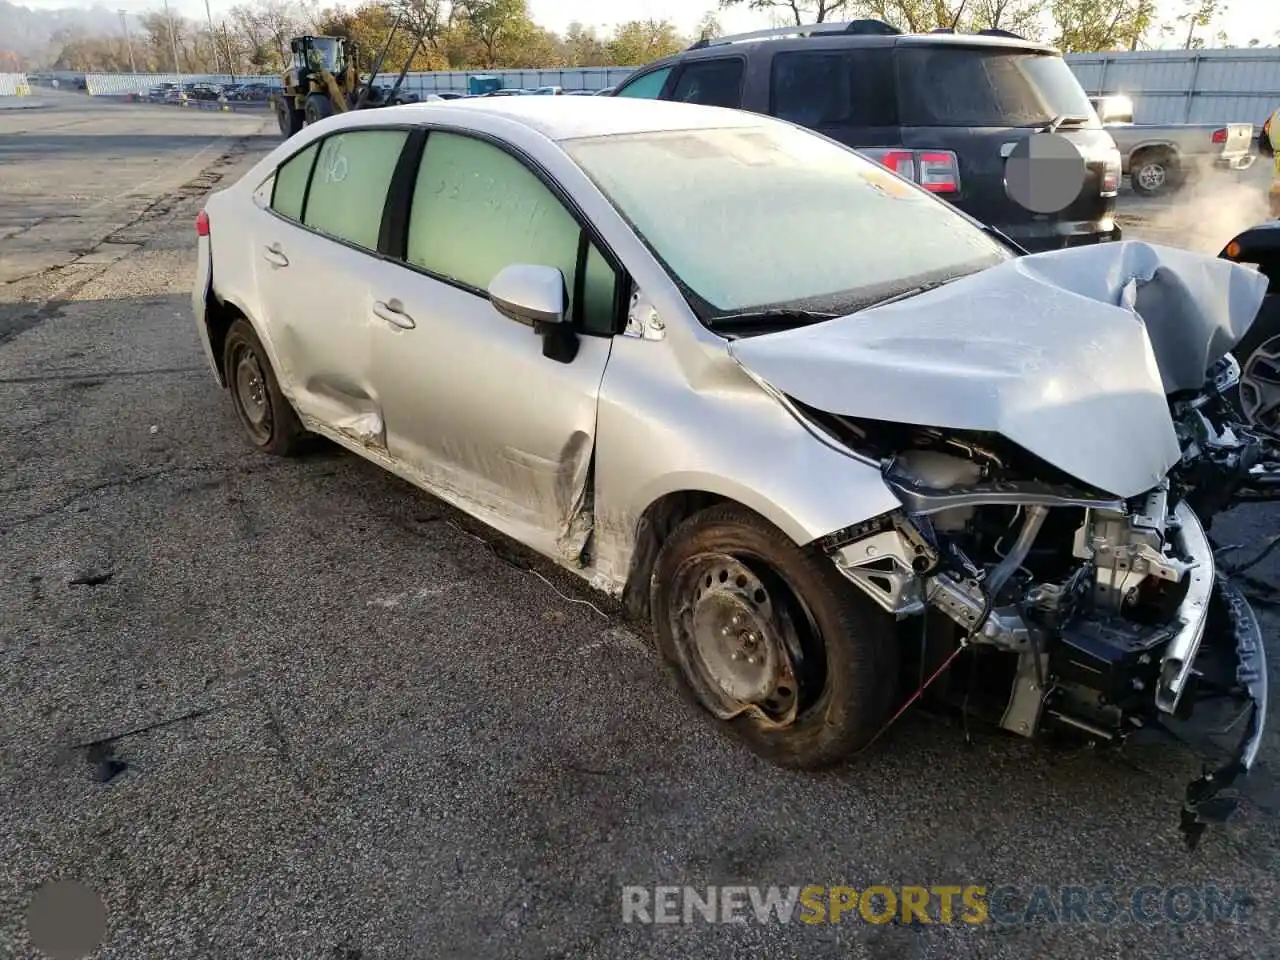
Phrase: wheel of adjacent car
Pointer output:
(769, 638)
(318, 107)
(1153, 172)
(265, 414)
(1258, 353)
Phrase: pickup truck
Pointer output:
(1159, 157)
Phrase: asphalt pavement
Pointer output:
(270, 709)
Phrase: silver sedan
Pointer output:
(824, 431)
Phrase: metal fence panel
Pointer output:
(14, 85)
(1187, 86)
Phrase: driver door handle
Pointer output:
(392, 311)
(275, 256)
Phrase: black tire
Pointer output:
(318, 107)
(290, 120)
(1154, 172)
(269, 421)
(845, 681)
(1252, 352)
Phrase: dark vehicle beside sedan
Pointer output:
(942, 109)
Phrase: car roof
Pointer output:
(827, 41)
(568, 118)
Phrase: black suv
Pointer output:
(942, 109)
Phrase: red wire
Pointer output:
(914, 697)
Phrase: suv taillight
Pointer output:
(202, 224)
(1220, 135)
(938, 171)
(1111, 174)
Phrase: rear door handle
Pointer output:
(275, 256)
(392, 311)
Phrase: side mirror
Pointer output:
(535, 295)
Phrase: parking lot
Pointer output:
(271, 708)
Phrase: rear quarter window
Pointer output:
(834, 88)
(291, 183)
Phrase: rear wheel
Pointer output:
(265, 414)
(290, 120)
(319, 106)
(1154, 172)
(769, 638)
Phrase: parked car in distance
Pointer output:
(606, 92)
(798, 413)
(549, 91)
(449, 94)
(945, 110)
(1161, 157)
(252, 91)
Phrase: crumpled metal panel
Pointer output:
(1069, 354)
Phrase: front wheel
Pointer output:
(1258, 353)
(290, 120)
(769, 638)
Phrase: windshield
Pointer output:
(966, 87)
(774, 216)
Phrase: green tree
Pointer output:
(1086, 26)
(497, 24)
(812, 11)
(1198, 13)
(640, 41)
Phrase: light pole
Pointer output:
(173, 39)
(124, 22)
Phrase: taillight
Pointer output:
(938, 171)
(202, 224)
(1111, 174)
(1220, 135)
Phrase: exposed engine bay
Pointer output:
(1082, 611)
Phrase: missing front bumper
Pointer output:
(1231, 668)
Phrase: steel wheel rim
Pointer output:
(744, 639)
(250, 388)
(1151, 176)
(1260, 385)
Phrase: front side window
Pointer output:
(349, 186)
(773, 216)
(477, 209)
(647, 87)
(713, 83)
(291, 183)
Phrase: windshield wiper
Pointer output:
(779, 318)
(1061, 119)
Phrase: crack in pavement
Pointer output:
(101, 376)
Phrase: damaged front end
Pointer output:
(1080, 612)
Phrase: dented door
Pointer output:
(472, 407)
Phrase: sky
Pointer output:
(1243, 20)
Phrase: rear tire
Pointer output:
(290, 120)
(318, 107)
(265, 414)
(1154, 172)
(746, 620)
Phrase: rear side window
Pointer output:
(291, 183)
(349, 186)
(959, 87)
(647, 87)
(713, 83)
(829, 89)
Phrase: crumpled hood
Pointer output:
(1069, 354)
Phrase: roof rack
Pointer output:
(863, 27)
(995, 32)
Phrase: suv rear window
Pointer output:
(834, 88)
(966, 87)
